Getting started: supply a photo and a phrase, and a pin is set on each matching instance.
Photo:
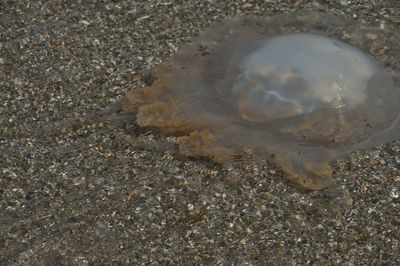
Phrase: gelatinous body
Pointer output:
(299, 73)
(279, 86)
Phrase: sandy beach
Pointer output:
(79, 189)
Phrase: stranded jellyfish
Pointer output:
(305, 88)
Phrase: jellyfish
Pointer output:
(306, 88)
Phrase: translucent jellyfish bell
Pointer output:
(292, 86)
(298, 73)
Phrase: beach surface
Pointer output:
(78, 188)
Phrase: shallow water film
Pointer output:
(305, 89)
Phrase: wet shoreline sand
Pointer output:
(99, 191)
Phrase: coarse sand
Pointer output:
(94, 191)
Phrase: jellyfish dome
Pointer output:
(306, 88)
(296, 74)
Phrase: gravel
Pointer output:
(80, 188)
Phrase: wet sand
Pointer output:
(102, 191)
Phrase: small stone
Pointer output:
(84, 22)
(372, 36)
(99, 180)
(378, 51)
(394, 193)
